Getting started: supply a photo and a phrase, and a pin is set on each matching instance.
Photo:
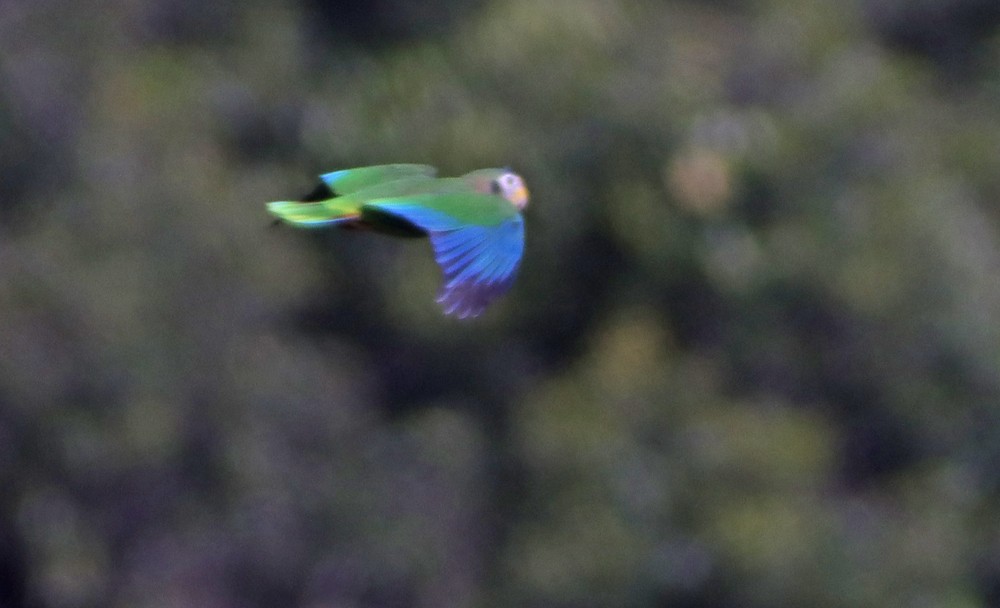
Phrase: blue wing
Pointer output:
(479, 262)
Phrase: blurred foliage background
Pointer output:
(752, 359)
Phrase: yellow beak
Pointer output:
(520, 197)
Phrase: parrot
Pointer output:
(473, 222)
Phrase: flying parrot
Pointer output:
(473, 222)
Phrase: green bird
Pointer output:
(473, 222)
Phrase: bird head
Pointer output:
(502, 182)
(510, 186)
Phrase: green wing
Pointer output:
(349, 181)
(338, 196)
(444, 204)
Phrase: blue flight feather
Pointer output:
(471, 284)
(479, 262)
(422, 217)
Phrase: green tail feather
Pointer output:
(310, 215)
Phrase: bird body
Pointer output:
(473, 221)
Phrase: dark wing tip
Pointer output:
(470, 299)
(321, 192)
